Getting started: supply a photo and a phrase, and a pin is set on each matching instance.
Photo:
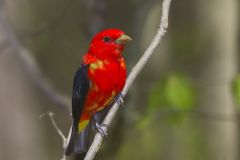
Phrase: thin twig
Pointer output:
(51, 114)
(64, 139)
(132, 76)
(10, 41)
(31, 67)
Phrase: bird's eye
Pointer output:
(107, 39)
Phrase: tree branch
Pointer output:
(30, 65)
(32, 69)
(132, 76)
(64, 139)
(51, 114)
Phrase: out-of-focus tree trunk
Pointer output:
(218, 22)
(21, 135)
(21, 130)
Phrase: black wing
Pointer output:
(81, 85)
(78, 142)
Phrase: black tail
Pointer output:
(79, 142)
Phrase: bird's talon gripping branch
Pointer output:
(119, 99)
(101, 130)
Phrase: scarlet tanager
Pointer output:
(97, 83)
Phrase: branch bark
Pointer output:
(30, 65)
(132, 76)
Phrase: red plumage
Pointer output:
(98, 81)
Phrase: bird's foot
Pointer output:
(119, 99)
(101, 128)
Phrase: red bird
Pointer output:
(97, 83)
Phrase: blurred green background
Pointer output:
(184, 105)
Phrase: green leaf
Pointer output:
(145, 121)
(173, 96)
(177, 117)
(175, 91)
(157, 97)
(179, 92)
(236, 89)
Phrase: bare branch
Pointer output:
(132, 76)
(64, 139)
(30, 65)
(10, 41)
(51, 114)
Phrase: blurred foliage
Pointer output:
(236, 89)
(175, 91)
(174, 95)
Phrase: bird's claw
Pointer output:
(119, 99)
(101, 130)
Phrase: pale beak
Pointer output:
(123, 39)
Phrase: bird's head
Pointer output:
(108, 43)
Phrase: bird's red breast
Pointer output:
(107, 71)
(108, 78)
(98, 80)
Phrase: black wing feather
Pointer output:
(81, 85)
